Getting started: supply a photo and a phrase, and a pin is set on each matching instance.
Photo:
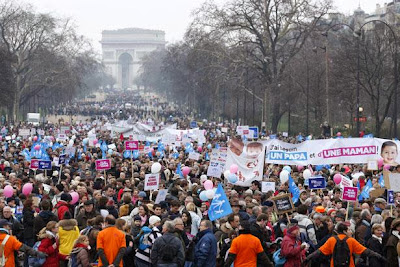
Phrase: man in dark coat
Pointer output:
(258, 230)
(88, 213)
(43, 217)
(205, 252)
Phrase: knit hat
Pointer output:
(142, 194)
(154, 219)
(137, 218)
(60, 187)
(292, 228)
(66, 197)
(320, 209)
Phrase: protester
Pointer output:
(392, 245)
(205, 253)
(79, 254)
(50, 245)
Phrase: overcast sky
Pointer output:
(172, 16)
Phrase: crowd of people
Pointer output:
(114, 222)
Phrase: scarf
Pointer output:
(143, 219)
(396, 234)
(50, 233)
(378, 238)
(80, 245)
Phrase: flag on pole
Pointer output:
(179, 170)
(220, 206)
(294, 190)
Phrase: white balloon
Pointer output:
(203, 178)
(210, 194)
(226, 174)
(156, 168)
(284, 176)
(307, 173)
(73, 137)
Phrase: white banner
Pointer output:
(249, 158)
(217, 162)
(332, 151)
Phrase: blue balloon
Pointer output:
(85, 141)
(232, 178)
(209, 146)
(203, 196)
(288, 169)
(110, 151)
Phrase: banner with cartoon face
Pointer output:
(333, 151)
(249, 158)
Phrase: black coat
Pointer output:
(27, 222)
(41, 220)
(262, 235)
(375, 245)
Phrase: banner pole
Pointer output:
(59, 175)
(347, 211)
(105, 177)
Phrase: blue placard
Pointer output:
(61, 159)
(44, 165)
(390, 197)
(316, 183)
(193, 124)
(255, 131)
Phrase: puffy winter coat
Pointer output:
(53, 257)
(307, 227)
(291, 250)
(205, 252)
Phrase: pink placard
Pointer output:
(103, 164)
(131, 145)
(350, 193)
(34, 164)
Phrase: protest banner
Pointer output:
(267, 186)
(131, 145)
(194, 156)
(330, 151)
(316, 183)
(254, 131)
(249, 158)
(62, 137)
(242, 130)
(44, 165)
(283, 204)
(24, 132)
(103, 164)
(34, 164)
(151, 181)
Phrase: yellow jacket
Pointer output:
(68, 232)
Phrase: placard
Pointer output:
(24, 132)
(194, 156)
(131, 145)
(61, 159)
(372, 165)
(242, 130)
(350, 193)
(224, 129)
(394, 182)
(34, 164)
(390, 197)
(214, 170)
(316, 183)
(64, 130)
(44, 165)
(285, 134)
(62, 137)
(103, 164)
(267, 186)
(161, 195)
(254, 130)
(151, 181)
(283, 204)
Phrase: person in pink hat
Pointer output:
(292, 248)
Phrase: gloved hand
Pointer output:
(41, 255)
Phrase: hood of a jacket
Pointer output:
(300, 217)
(68, 224)
(46, 214)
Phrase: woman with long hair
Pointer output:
(80, 252)
(49, 244)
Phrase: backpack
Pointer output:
(87, 230)
(73, 260)
(168, 252)
(3, 259)
(33, 260)
(341, 253)
(278, 259)
(144, 241)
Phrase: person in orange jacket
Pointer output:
(343, 231)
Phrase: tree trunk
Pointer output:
(275, 113)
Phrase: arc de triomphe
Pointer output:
(123, 50)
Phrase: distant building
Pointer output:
(123, 50)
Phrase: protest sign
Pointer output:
(224, 129)
(249, 158)
(24, 132)
(61, 159)
(372, 165)
(283, 204)
(131, 145)
(267, 186)
(316, 183)
(193, 124)
(350, 193)
(242, 130)
(44, 165)
(151, 181)
(34, 164)
(214, 169)
(390, 197)
(194, 156)
(161, 195)
(328, 151)
(103, 164)
(254, 130)
(62, 137)
(64, 130)
(394, 182)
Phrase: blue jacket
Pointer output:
(205, 252)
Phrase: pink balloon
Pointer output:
(337, 178)
(27, 189)
(339, 134)
(75, 197)
(234, 168)
(200, 149)
(300, 168)
(37, 147)
(386, 167)
(8, 191)
(1, 137)
(95, 141)
(380, 163)
(35, 138)
(208, 185)
(185, 170)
